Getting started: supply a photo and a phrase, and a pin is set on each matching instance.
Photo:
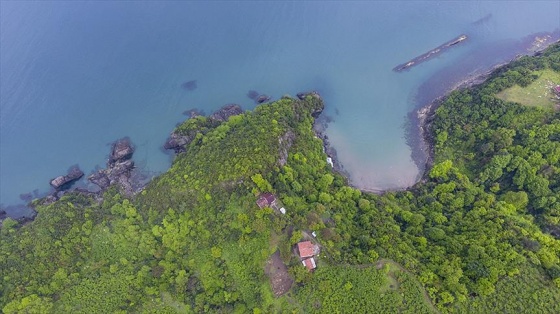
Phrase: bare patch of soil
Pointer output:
(277, 272)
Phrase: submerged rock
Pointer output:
(26, 197)
(253, 95)
(189, 85)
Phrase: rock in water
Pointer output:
(119, 168)
(122, 150)
(262, 99)
(178, 142)
(63, 182)
(193, 113)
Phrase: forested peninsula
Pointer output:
(224, 230)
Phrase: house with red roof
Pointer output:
(307, 250)
(309, 263)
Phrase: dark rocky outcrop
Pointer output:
(262, 99)
(302, 95)
(64, 182)
(100, 179)
(193, 113)
(179, 140)
(225, 112)
(119, 168)
(122, 150)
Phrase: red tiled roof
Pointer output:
(309, 263)
(306, 249)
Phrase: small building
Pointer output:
(309, 263)
(283, 210)
(266, 200)
(330, 162)
(307, 249)
(314, 234)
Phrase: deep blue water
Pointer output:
(75, 76)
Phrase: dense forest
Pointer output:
(479, 234)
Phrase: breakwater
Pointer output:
(428, 55)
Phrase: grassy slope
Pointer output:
(537, 94)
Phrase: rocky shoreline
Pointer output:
(320, 126)
(120, 170)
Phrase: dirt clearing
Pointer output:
(277, 272)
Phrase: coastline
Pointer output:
(418, 134)
(417, 122)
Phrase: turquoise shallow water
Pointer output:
(75, 76)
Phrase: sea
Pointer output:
(75, 76)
